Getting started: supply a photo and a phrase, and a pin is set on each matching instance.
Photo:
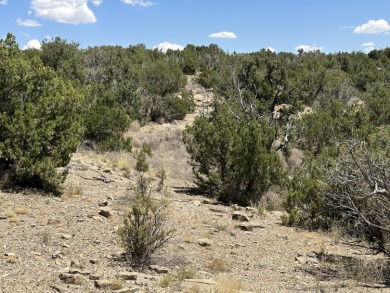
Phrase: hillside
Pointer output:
(70, 244)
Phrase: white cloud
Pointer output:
(223, 35)
(270, 49)
(96, 2)
(373, 27)
(165, 46)
(143, 3)
(64, 11)
(368, 44)
(308, 48)
(28, 22)
(368, 47)
(3, 2)
(32, 44)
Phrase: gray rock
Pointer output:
(104, 284)
(159, 269)
(301, 259)
(95, 276)
(79, 271)
(204, 242)
(60, 289)
(127, 290)
(245, 226)
(106, 212)
(68, 278)
(240, 216)
(128, 275)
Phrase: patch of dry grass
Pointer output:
(21, 211)
(219, 265)
(229, 283)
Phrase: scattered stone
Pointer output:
(204, 242)
(104, 284)
(94, 261)
(218, 209)
(201, 281)
(106, 212)
(301, 259)
(146, 277)
(95, 276)
(236, 207)
(60, 289)
(197, 202)
(103, 203)
(10, 254)
(159, 269)
(240, 216)
(64, 270)
(204, 285)
(68, 278)
(128, 275)
(56, 254)
(66, 236)
(258, 225)
(79, 271)
(245, 226)
(3, 217)
(206, 201)
(251, 209)
(97, 218)
(127, 290)
(75, 264)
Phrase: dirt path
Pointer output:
(70, 243)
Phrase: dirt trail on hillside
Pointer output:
(70, 243)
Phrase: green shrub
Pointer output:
(143, 230)
(40, 124)
(233, 159)
(105, 123)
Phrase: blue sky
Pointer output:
(241, 26)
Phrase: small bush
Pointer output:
(143, 231)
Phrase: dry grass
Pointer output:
(71, 190)
(174, 280)
(219, 265)
(186, 273)
(11, 259)
(21, 211)
(229, 283)
(117, 285)
(10, 214)
(272, 200)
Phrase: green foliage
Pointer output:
(105, 123)
(233, 159)
(305, 202)
(40, 124)
(144, 230)
(142, 165)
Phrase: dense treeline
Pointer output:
(335, 108)
(56, 97)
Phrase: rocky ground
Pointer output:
(70, 243)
